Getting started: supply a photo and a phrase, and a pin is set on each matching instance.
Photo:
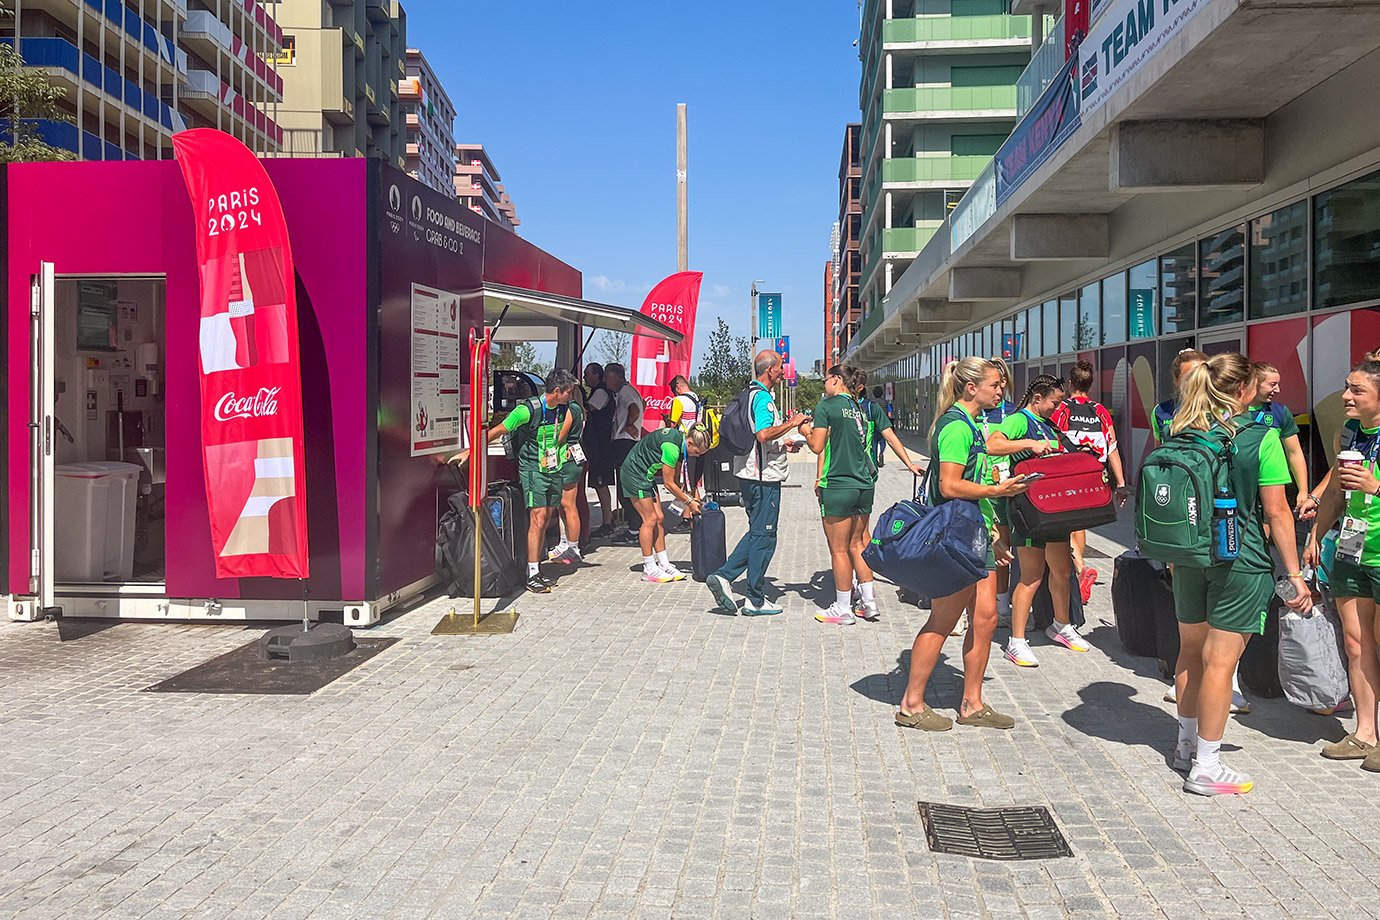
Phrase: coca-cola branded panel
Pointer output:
(674, 302)
(251, 388)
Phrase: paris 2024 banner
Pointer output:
(251, 381)
(655, 362)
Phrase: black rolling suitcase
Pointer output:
(719, 481)
(1042, 607)
(708, 543)
(1140, 591)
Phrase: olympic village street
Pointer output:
(626, 753)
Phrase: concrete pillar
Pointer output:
(887, 212)
(888, 9)
(981, 284)
(888, 267)
(1037, 28)
(1052, 237)
(890, 84)
(886, 150)
(1171, 156)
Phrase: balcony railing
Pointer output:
(934, 169)
(935, 99)
(61, 54)
(945, 29)
(909, 239)
(1044, 66)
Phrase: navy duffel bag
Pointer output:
(934, 552)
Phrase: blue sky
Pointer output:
(576, 103)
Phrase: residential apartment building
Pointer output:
(938, 97)
(830, 340)
(430, 118)
(477, 186)
(342, 64)
(845, 313)
(136, 71)
(1209, 181)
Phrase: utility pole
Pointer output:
(682, 202)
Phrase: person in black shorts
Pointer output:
(598, 444)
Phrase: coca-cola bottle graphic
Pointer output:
(242, 315)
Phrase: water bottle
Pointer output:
(1226, 544)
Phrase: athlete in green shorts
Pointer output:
(660, 453)
(535, 426)
(567, 552)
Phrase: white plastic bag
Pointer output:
(1312, 661)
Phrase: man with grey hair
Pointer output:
(538, 427)
(761, 472)
(628, 409)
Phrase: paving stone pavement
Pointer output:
(628, 753)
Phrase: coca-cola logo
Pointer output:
(658, 403)
(231, 406)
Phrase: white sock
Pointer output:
(648, 564)
(843, 600)
(532, 569)
(866, 588)
(1209, 756)
(662, 559)
(1188, 732)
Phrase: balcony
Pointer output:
(58, 54)
(1044, 66)
(941, 171)
(64, 135)
(209, 37)
(951, 102)
(958, 32)
(378, 10)
(908, 240)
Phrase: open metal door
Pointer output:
(43, 388)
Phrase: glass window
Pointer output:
(1114, 309)
(1178, 290)
(1051, 336)
(1279, 262)
(1346, 247)
(1221, 276)
(1090, 312)
(1005, 343)
(1141, 299)
(1068, 325)
(1033, 328)
(1020, 346)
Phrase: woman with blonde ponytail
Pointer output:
(1219, 607)
(959, 471)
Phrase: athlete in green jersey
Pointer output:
(535, 426)
(660, 453)
(567, 552)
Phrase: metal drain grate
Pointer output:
(993, 833)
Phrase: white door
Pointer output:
(41, 447)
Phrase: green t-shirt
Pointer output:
(577, 430)
(1276, 415)
(1026, 426)
(534, 426)
(663, 447)
(1367, 441)
(954, 438)
(1258, 461)
(847, 463)
(877, 422)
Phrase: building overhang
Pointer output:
(531, 313)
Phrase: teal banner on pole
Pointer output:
(1142, 313)
(768, 316)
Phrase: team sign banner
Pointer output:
(1127, 35)
(672, 302)
(251, 381)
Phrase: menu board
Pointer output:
(435, 371)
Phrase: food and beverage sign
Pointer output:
(251, 382)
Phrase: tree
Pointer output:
(520, 356)
(808, 392)
(613, 348)
(26, 97)
(727, 365)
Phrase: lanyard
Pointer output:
(1042, 428)
(860, 421)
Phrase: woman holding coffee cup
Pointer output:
(1354, 574)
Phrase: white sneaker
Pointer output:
(1172, 694)
(1067, 636)
(1182, 758)
(961, 627)
(867, 610)
(836, 616)
(656, 576)
(675, 573)
(1240, 706)
(1220, 781)
(1018, 653)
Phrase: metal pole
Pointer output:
(682, 215)
(752, 333)
(477, 541)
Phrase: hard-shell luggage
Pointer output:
(1073, 494)
(708, 543)
(719, 481)
(1139, 588)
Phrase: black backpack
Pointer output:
(735, 428)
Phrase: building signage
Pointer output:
(1142, 313)
(435, 371)
(783, 348)
(1127, 35)
(1044, 129)
(674, 303)
(1011, 349)
(768, 316)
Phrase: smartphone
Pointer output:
(1032, 477)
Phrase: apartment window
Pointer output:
(1178, 290)
(1090, 312)
(1221, 277)
(999, 75)
(1114, 309)
(1141, 300)
(975, 145)
(1020, 347)
(1279, 262)
(1033, 329)
(979, 7)
(1051, 336)
(1068, 325)
(1346, 247)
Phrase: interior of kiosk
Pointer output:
(108, 488)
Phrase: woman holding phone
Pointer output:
(960, 471)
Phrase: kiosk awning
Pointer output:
(530, 310)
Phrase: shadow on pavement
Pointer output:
(889, 687)
(820, 588)
(1287, 722)
(1108, 711)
